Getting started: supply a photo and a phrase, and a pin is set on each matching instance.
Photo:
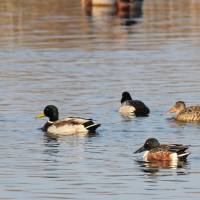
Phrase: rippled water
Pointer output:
(56, 52)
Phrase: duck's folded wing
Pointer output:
(67, 127)
(193, 108)
(87, 124)
(139, 106)
(66, 122)
(176, 148)
(74, 117)
(73, 126)
(76, 120)
(189, 115)
(180, 150)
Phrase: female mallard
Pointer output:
(186, 114)
(67, 126)
(132, 107)
(163, 152)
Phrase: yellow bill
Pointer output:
(41, 115)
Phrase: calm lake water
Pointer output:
(56, 52)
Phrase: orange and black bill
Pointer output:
(172, 110)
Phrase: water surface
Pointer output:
(54, 52)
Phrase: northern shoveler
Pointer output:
(67, 126)
(163, 152)
(132, 107)
(186, 114)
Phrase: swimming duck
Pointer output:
(132, 107)
(185, 114)
(67, 126)
(163, 152)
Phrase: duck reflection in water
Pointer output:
(153, 168)
(161, 164)
(127, 10)
(51, 147)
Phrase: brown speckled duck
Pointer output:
(186, 114)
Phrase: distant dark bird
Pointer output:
(163, 152)
(67, 126)
(185, 114)
(132, 107)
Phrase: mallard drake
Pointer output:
(185, 114)
(132, 107)
(67, 126)
(163, 152)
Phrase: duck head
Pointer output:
(178, 107)
(150, 143)
(51, 112)
(126, 96)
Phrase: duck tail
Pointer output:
(91, 126)
(183, 154)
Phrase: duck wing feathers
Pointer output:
(140, 108)
(73, 121)
(191, 113)
(181, 150)
(174, 147)
(72, 125)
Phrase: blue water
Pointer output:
(54, 53)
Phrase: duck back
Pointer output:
(190, 114)
(140, 108)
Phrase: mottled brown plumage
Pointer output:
(159, 155)
(186, 114)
